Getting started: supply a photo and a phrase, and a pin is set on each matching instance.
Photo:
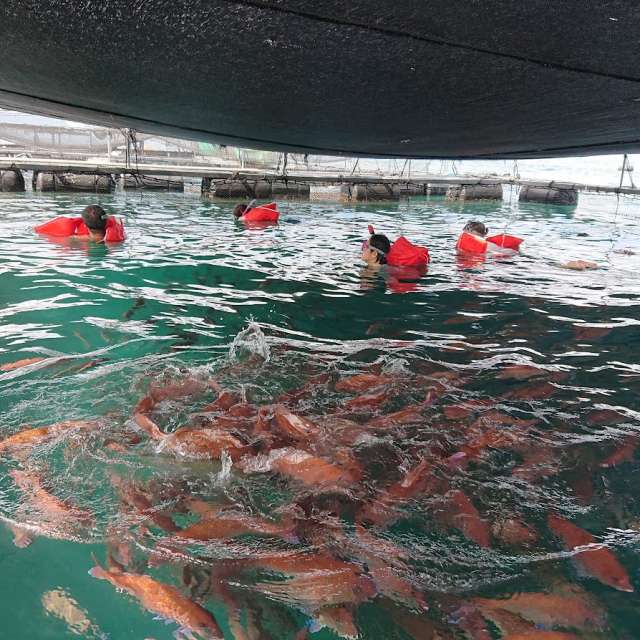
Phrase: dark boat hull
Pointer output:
(490, 79)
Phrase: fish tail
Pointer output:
(97, 571)
(148, 425)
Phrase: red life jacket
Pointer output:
(114, 231)
(63, 227)
(470, 243)
(506, 242)
(406, 254)
(262, 213)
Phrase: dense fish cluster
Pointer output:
(338, 492)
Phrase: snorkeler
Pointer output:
(375, 250)
(97, 221)
(473, 239)
(94, 223)
(379, 250)
(260, 213)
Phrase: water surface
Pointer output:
(193, 296)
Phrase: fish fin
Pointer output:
(98, 571)
(114, 565)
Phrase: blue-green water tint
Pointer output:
(169, 302)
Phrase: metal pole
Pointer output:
(624, 166)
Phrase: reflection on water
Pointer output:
(252, 435)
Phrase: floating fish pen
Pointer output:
(549, 195)
(255, 189)
(63, 181)
(464, 192)
(164, 183)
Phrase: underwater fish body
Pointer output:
(599, 563)
(163, 600)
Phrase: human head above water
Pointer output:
(95, 219)
(477, 228)
(375, 249)
(239, 210)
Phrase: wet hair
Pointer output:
(380, 242)
(95, 217)
(476, 227)
(239, 210)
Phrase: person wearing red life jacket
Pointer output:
(379, 250)
(95, 218)
(258, 213)
(94, 224)
(473, 239)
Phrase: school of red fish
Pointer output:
(350, 457)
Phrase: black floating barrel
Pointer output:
(90, 182)
(11, 180)
(379, 191)
(549, 195)
(475, 192)
(258, 189)
(164, 183)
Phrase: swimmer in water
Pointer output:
(375, 250)
(95, 219)
(240, 210)
(476, 228)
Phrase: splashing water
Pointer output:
(249, 342)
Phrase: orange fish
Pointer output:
(520, 372)
(18, 364)
(537, 463)
(242, 410)
(339, 619)
(534, 391)
(492, 418)
(624, 453)
(420, 479)
(186, 387)
(494, 438)
(22, 537)
(509, 624)
(514, 533)
(468, 618)
(32, 437)
(597, 562)
(367, 400)
(316, 579)
(163, 600)
(605, 417)
(223, 402)
(591, 333)
(229, 525)
(362, 382)
(457, 411)
(137, 499)
(192, 442)
(53, 510)
(301, 466)
(294, 426)
(408, 415)
(462, 514)
(569, 609)
(310, 469)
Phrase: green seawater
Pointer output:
(192, 294)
